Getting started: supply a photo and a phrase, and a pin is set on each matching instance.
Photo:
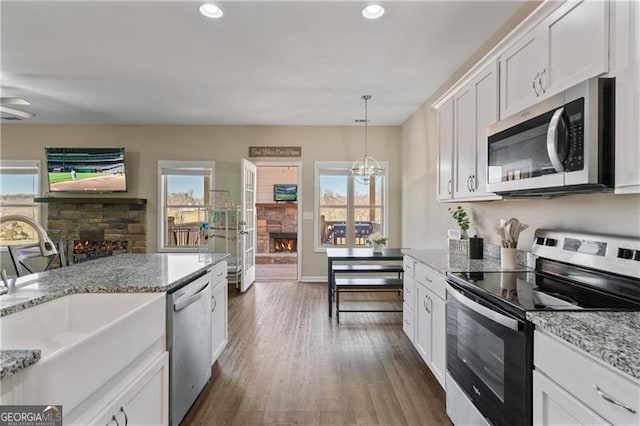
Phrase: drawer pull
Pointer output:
(611, 400)
(428, 280)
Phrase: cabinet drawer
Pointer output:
(431, 279)
(409, 291)
(218, 273)
(407, 321)
(579, 374)
(408, 264)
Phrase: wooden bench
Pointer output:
(353, 285)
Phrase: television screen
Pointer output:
(285, 192)
(86, 169)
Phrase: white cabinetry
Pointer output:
(409, 298)
(626, 68)
(430, 333)
(472, 108)
(567, 47)
(144, 401)
(219, 307)
(571, 387)
(445, 150)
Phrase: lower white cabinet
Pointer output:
(572, 387)
(219, 309)
(430, 321)
(145, 401)
(409, 298)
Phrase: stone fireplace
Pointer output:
(276, 233)
(97, 227)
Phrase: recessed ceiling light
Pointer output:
(210, 10)
(373, 11)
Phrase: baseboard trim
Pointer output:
(314, 279)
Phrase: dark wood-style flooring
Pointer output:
(287, 362)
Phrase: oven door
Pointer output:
(489, 356)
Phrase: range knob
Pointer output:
(540, 241)
(637, 255)
(550, 242)
(624, 253)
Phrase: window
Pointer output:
(19, 184)
(348, 211)
(184, 194)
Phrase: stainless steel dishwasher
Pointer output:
(189, 344)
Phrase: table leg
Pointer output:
(330, 284)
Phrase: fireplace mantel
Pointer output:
(91, 200)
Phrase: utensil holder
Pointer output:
(508, 258)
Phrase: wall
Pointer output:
(425, 221)
(272, 175)
(145, 145)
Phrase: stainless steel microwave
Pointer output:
(563, 144)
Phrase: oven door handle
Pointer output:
(490, 314)
(552, 140)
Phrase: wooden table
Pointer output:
(357, 254)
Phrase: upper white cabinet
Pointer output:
(462, 124)
(445, 151)
(567, 47)
(625, 63)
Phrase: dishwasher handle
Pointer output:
(182, 303)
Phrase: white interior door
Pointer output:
(248, 182)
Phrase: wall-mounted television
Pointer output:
(86, 170)
(285, 193)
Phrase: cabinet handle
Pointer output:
(611, 400)
(469, 183)
(114, 419)
(215, 303)
(449, 187)
(540, 80)
(474, 183)
(427, 304)
(126, 418)
(427, 279)
(533, 84)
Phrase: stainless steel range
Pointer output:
(489, 340)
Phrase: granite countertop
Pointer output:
(125, 273)
(613, 337)
(443, 261)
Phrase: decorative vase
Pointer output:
(377, 248)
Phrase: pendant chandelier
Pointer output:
(366, 167)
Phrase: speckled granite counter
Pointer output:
(12, 361)
(443, 261)
(126, 273)
(613, 337)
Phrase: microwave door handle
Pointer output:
(482, 310)
(552, 140)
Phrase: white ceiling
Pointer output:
(264, 63)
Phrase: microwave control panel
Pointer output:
(574, 117)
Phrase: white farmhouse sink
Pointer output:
(85, 340)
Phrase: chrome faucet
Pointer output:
(47, 248)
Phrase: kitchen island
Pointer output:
(126, 273)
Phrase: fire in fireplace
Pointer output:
(89, 250)
(284, 242)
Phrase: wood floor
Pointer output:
(287, 362)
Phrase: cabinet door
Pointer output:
(626, 68)
(438, 339)
(219, 320)
(146, 400)
(423, 323)
(445, 150)
(576, 41)
(552, 405)
(486, 113)
(465, 141)
(520, 65)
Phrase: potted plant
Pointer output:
(378, 241)
(460, 245)
(462, 219)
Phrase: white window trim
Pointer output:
(316, 194)
(177, 166)
(27, 164)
